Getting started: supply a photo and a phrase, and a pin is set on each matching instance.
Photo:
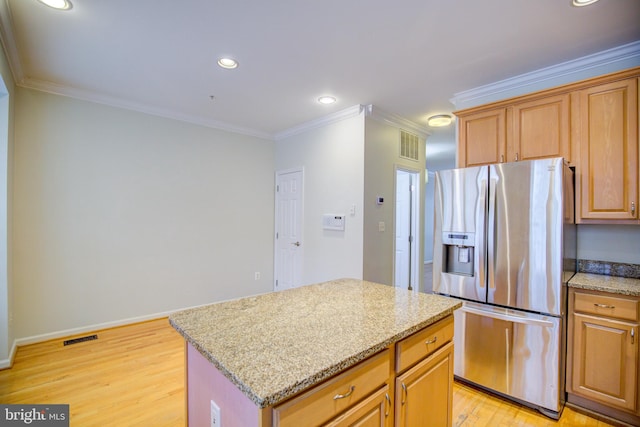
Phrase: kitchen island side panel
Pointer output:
(206, 383)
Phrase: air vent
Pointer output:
(81, 339)
(409, 145)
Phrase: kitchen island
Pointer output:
(319, 353)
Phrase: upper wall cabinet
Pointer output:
(525, 130)
(608, 138)
(540, 128)
(592, 123)
(482, 138)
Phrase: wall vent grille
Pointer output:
(409, 144)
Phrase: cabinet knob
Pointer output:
(516, 157)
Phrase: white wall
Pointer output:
(120, 215)
(382, 158)
(333, 160)
(613, 243)
(7, 90)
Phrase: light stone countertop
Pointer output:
(600, 282)
(274, 345)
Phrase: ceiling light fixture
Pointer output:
(57, 4)
(439, 120)
(326, 99)
(228, 63)
(583, 2)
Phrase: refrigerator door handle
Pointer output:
(491, 228)
(480, 242)
(507, 317)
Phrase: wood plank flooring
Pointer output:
(134, 376)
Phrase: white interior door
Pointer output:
(406, 267)
(288, 239)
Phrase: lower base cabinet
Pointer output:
(371, 412)
(409, 384)
(424, 393)
(604, 354)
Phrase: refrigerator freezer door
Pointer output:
(514, 353)
(524, 239)
(459, 258)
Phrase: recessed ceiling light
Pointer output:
(58, 4)
(583, 2)
(326, 99)
(228, 63)
(439, 120)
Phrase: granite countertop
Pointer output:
(600, 282)
(274, 345)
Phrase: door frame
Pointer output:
(416, 249)
(279, 173)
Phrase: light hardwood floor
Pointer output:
(134, 376)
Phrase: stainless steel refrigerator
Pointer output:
(505, 243)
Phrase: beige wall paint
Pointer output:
(7, 90)
(333, 160)
(381, 161)
(121, 215)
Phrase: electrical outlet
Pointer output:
(215, 415)
(256, 275)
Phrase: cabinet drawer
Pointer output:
(605, 305)
(326, 400)
(416, 347)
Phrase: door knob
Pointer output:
(296, 243)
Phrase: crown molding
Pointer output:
(95, 97)
(8, 41)
(626, 53)
(395, 121)
(347, 113)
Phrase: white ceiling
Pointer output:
(407, 57)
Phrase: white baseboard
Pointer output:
(7, 363)
(90, 328)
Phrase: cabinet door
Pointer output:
(608, 139)
(540, 129)
(482, 138)
(375, 411)
(605, 361)
(424, 393)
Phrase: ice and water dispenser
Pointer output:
(458, 251)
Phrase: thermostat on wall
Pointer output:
(333, 222)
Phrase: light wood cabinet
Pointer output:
(540, 129)
(482, 137)
(424, 392)
(592, 123)
(408, 384)
(603, 352)
(525, 130)
(340, 393)
(371, 412)
(608, 140)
